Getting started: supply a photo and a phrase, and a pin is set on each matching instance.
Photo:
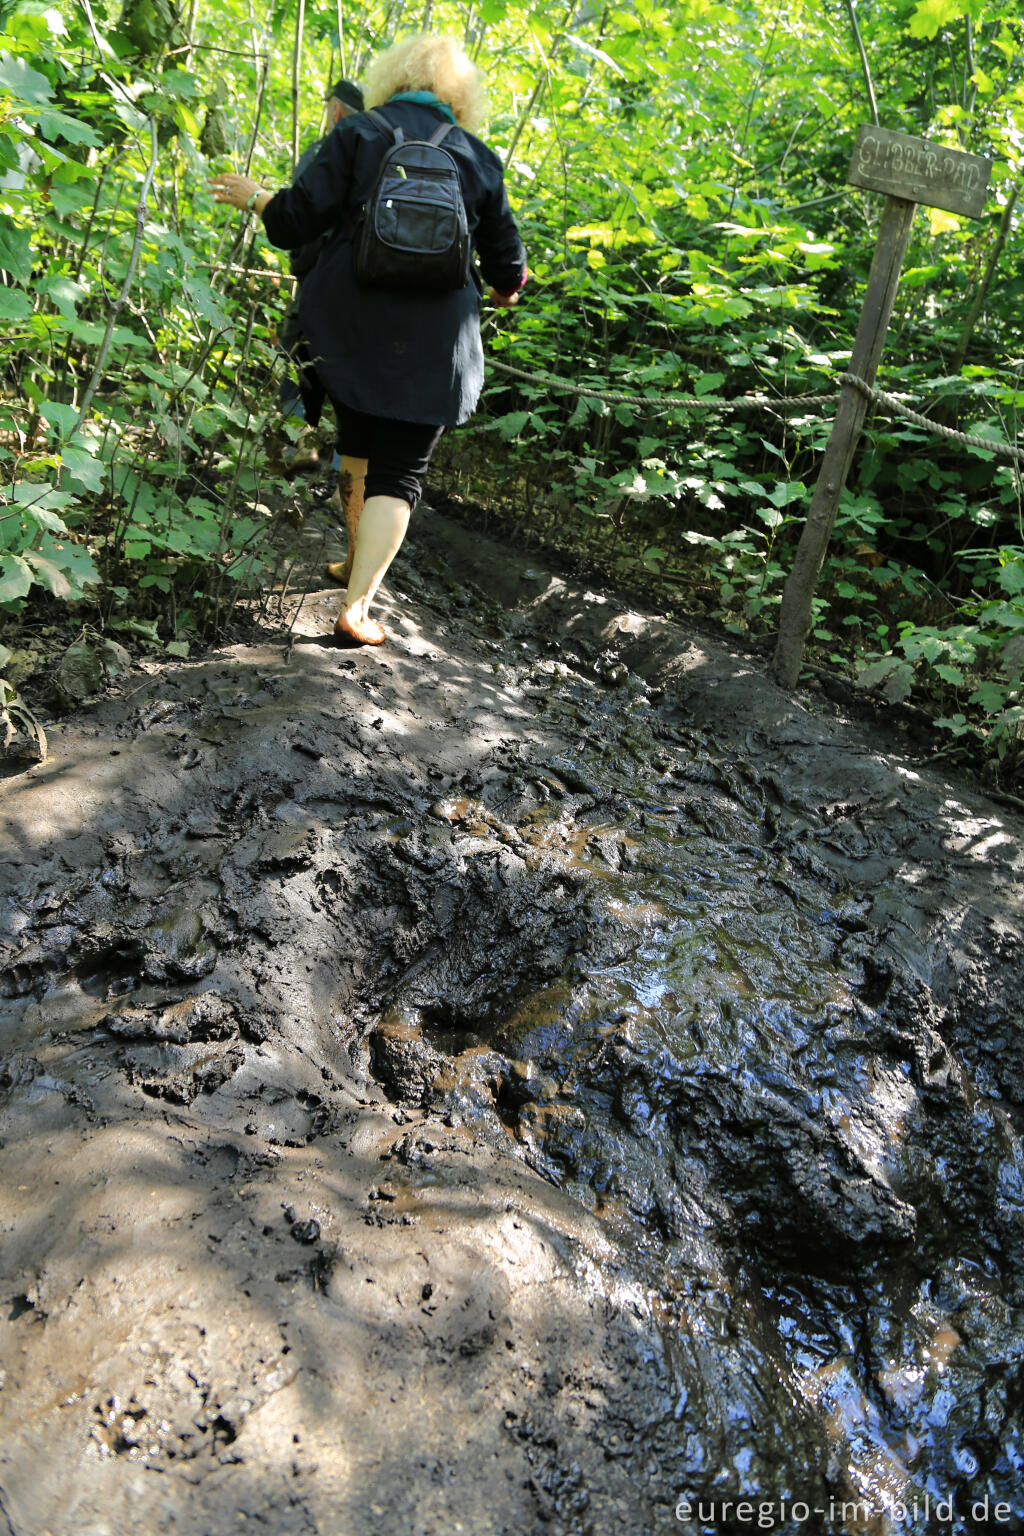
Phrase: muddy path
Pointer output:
(536, 1077)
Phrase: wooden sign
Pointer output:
(909, 171)
(920, 171)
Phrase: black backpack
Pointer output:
(412, 231)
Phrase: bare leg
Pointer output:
(381, 531)
(350, 489)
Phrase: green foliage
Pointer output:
(679, 174)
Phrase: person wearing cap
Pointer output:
(398, 365)
(305, 396)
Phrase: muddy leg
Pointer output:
(381, 531)
(351, 477)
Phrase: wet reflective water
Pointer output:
(739, 1072)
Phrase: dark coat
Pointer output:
(304, 258)
(411, 355)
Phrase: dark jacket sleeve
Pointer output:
(304, 257)
(310, 206)
(499, 248)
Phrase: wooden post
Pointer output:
(797, 596)
(909, 170)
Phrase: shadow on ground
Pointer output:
(514, 1080)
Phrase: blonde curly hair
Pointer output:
(429, 61)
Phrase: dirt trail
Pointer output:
(512, 1081)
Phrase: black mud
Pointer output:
(521, 1080)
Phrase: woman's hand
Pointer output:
(237, 190)
(506, 300)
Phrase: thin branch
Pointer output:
(978, 302)
(300, 21)
(118, 304)
(851, 6)
(343, 70)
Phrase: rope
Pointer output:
(879, 397)
(891, 403)
(696, 402)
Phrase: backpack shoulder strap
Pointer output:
(441, 133)
(382, 122)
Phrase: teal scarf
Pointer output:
(426, 99)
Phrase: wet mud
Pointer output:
(536, 1077)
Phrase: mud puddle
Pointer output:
(538, 1077)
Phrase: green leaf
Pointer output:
(82, 468)
(29, 494)
(15, 577)
(990, 696)
(511, 425)
(15, 304)
(68, 566)
(1011, 575)
(23, 82)
(933, 14)
(64, 293)
(15, 250)
(49, 574)
(59, 415)
(786, 491)
(876, 672)
(59, 125)
(597, 54)
(44, 518)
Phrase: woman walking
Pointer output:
(398, 364)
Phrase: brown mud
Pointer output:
(518, 1080)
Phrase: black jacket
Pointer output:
(415, 356)
(304, 258)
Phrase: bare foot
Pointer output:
(340, 570)
(365, 631)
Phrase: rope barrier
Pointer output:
(891, 403)
(697, 402)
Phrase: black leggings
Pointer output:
(397, 452)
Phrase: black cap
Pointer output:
(347, 93)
